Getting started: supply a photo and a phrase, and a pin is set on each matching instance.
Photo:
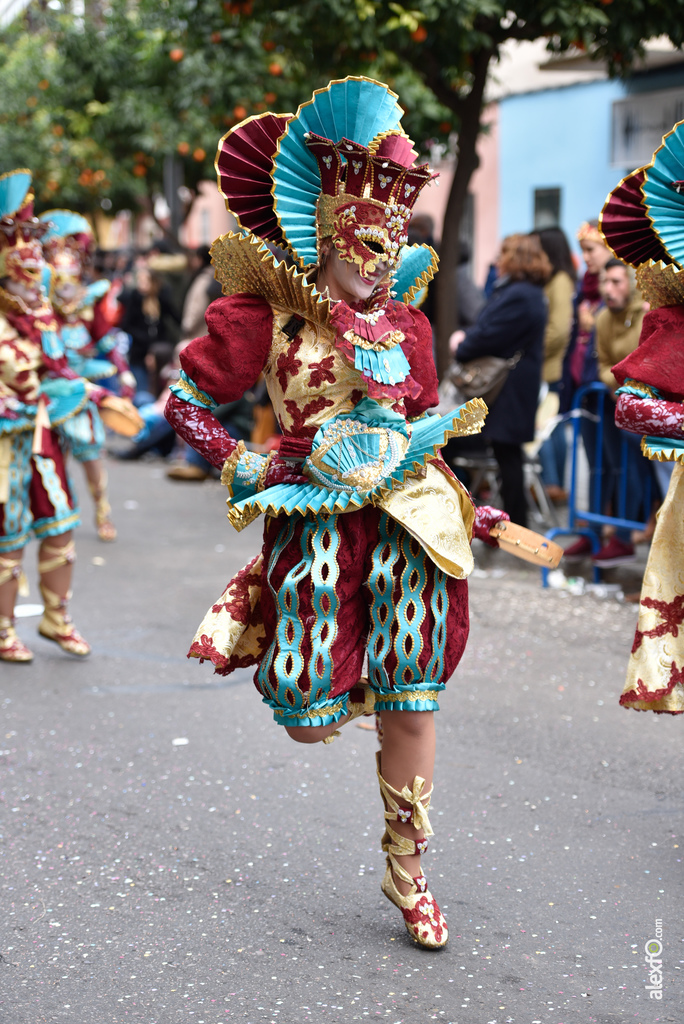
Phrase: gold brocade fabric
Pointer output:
(230, 627)
(655, 674)
(20, 361)
(436, 510)
(661, 284)
(308, 379)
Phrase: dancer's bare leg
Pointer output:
(9, 587)
(56, 556)
(11, 647)
(96, 475)
(408, 750)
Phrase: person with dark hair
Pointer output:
(147, 310)
(559, 291)
(469, 298)
(511, 326)
(580, 365)
(188, 465)
(618, 326)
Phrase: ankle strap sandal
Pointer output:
(56, 624)
(11, 647)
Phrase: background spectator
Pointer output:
(560, 292)
(512, 324)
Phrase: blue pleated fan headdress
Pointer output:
(270, 170)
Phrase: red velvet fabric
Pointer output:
(41, 503)
(227, 361)
(358, 532)
(101, 322)
(659, 358)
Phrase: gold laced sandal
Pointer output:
(361, 702)
(423, 919)
(11, 647)
(56, 624)
(106, 530)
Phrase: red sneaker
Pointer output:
(614, 552)
(580, 549)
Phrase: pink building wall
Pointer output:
(207, 219)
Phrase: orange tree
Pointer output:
(97, 105)
(437, 55)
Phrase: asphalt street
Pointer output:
(167, 854)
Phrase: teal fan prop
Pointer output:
(63, 223)
(353, 108)
(664, 204)
(417, 268)
(14, 187)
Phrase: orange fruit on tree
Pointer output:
(183, 148)
(274, 68)
(139, 170)
(199, 154)
(177, 54)
(420, 34)
(239, 113)
(268, 45)
(270, 97)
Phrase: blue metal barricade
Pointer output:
(592, 406)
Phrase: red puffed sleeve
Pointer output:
(422, 365)
(659, 358)
(227, 361)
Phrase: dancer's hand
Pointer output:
(485, 518)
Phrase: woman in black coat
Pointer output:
(512, 325)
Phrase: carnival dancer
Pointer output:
(90, 345)
(643, 222)
(367, 534)
(37, 394)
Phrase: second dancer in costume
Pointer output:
(643, 222)
(367, 534)
(89, 345)
(38, 394)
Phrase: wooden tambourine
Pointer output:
(121, 416)
(526, 544)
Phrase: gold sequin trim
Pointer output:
(192, 390)
(639, 385)
(390, 340)
(661, 284)
(230, 466)
(401, 698)
(313, 713)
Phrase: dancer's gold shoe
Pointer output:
(423, 919)
(11, 647)
(56, 622)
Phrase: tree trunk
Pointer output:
(469, 109)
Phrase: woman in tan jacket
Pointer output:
(560, 292)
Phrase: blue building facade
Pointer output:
(558, 147)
